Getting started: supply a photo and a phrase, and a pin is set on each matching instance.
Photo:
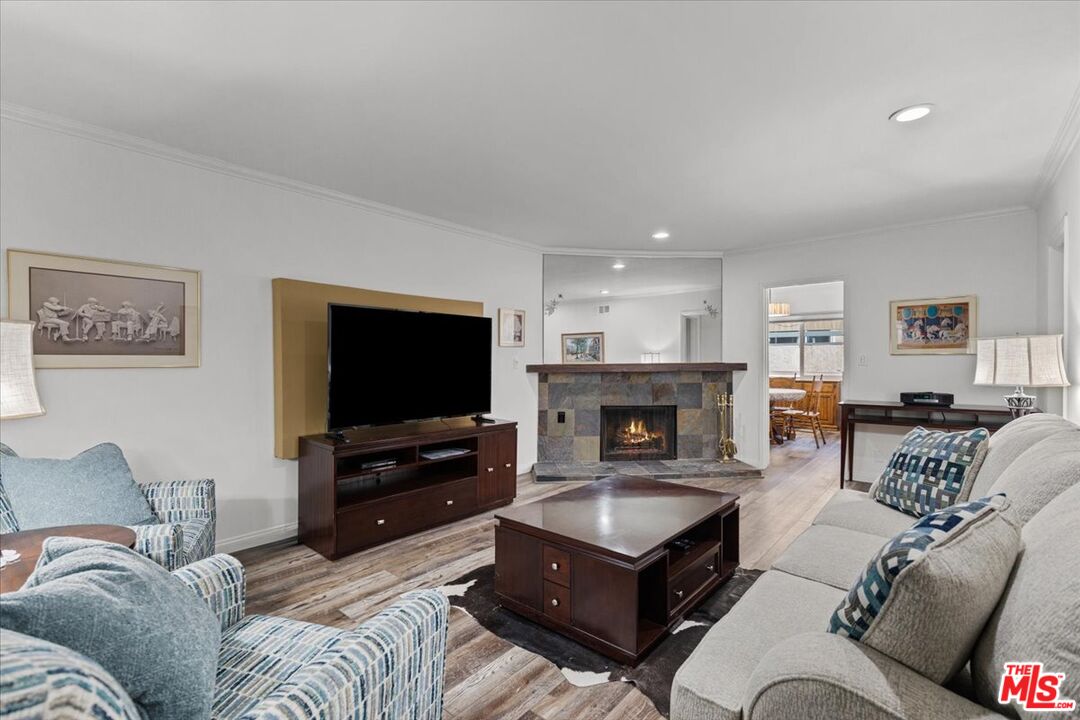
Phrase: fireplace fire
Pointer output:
(637, 432)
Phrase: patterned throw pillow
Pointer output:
(931, 470)
(926, 595)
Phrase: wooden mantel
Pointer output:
(636, 367)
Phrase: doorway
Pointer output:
(805, 335)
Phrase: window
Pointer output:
(806, 347)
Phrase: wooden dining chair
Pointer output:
(808, 417)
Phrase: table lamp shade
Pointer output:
(1021, 361)
(18, 391)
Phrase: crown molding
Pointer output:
(984, 215)
(124, 141)
(1061, 148)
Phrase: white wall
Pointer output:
(636, 325)
(1059, 276)
(812, 298)
(68, 194)
(990, 257)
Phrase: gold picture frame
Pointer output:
(96, 313)
(583, 348)
(934, 326)
(511, 328)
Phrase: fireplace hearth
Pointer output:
(638, 432)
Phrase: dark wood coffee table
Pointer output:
(28, 544)
(602, 563)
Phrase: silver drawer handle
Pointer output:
(451, 502)
(710, 568)
(555, 602)
(507, 464)
(491, 469)
(554, 566)
(380, 522)
(679, 594)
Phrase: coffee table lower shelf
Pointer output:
(616, 606)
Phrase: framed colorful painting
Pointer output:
(91, 313)
(582, 348)
(938, 326)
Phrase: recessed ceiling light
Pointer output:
(661, 235)
(912, 112)
(619, 265)
(604, 292)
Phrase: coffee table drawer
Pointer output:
(683, 586)
(557, 565)
(557, 602)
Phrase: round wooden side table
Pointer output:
(28, 544)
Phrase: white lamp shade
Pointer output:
(1024, 361)
(18, 391)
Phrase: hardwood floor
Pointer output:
(487, 677)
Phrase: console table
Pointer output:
(386, 482)
(896, 414)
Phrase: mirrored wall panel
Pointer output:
(632, 309)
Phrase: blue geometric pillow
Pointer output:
(925, 596)
(931, 469)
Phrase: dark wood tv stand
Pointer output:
(377, 484)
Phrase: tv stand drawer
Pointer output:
(377, 521)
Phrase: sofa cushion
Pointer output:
(40, 679)
(145, 627)
(1038, 617)
(925, 596)
(713, 681)
(1010, 442)
(858, 511)
(931, 469)
(831, 555)
(1040, 474)
(95, 486)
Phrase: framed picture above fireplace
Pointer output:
(583, 348)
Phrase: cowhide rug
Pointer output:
(475, 594)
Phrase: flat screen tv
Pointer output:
(389, 366)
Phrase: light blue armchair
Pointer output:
(186, 515)
(269, 668)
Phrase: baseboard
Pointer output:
(259, 537)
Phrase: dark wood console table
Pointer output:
(386, 482)
(896, 414)
(604, 563)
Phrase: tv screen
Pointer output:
(390, 366)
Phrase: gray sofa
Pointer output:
(770, 657)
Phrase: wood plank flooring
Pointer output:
(486, 677)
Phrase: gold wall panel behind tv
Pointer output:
(300, 349)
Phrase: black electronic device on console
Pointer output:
(927, 398)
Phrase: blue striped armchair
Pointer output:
(269, 668)
(186, 516)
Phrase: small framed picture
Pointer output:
(511, 328)
(582, 348)
(91, 313)
(937, 326)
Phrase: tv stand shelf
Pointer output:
(375, 485)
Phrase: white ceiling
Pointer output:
(581, 124)
(578, 277)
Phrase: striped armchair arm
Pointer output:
(183, 501)
(219, 581)
(164, 544)
(390, 667)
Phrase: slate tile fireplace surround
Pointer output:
(572, 398)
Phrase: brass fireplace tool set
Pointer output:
(725, 407)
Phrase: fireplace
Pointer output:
(637, 432)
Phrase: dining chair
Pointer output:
(808, 417)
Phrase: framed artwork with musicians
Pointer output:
(938, 326)
(104, 313)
